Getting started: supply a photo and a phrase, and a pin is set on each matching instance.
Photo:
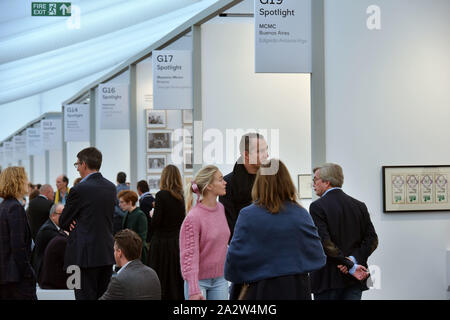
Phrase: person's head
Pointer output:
(327, 176)
(271, 191)
(47, 191)
(13, 183)
(127, 200)
(55, 212)
(33, 194)
(89, 160)
(62, 182)
(121, 177)
(253, 149)
(127, 246)
(171, 181)
(142, 187)
(208, 180)
(77, 181)
(30, 188)
(38, 186)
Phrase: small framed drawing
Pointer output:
(305, 186)
(156, 162)
(153, 182)
(187, 116)
(188, 163)
(156, 118)
(159, 140)
(416, 188)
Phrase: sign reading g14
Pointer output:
(51, 9)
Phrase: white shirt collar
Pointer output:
(123, 267)
(330, 190)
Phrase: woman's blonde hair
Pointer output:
(202, 179)
(272, 190)
(171, 181)
(13, 183)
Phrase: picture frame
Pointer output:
(156, 118)
(416, 188)
(159, 140)
(156, 162)
(305, 186)
(188, 162)
(187, 116)
(153, 183)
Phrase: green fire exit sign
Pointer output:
(50, 9)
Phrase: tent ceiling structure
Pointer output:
(39, 54)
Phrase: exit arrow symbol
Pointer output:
(63, 9)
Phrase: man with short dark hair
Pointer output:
(134, 280)
(347, 234)
(119, 214)
(146, 203)
(88, 215)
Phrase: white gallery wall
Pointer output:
(387, 103)
(235, 97)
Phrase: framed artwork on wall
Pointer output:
(415, 188)
(159, 140)
(153, 182)
(305, 186)
(156, 162)
(156, 118)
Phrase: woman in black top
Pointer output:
(168, 216)
(17, 278)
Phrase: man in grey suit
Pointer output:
(134, 281)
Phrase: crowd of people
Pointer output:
(242, 236)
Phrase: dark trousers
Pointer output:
(24, 290)
(94, 282)
(349, 293)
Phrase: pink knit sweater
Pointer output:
(204, 238)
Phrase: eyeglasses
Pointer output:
(76, 164)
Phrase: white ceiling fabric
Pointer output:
(37, 54)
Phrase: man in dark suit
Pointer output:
(39, 208)
(52, 275)
(146, 204)
(347, 234)
(134, 281)
(88, 216)
(46, 233)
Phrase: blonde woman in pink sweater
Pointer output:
(204, 238)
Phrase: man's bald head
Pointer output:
(47, 191)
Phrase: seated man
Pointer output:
(134, 281)
(46, 233)
(53, 275)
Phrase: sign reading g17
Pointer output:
(172, 79)
(283, 36)
(51, 9)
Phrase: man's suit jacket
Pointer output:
(15, 243)
(46, 233)
(146, 205)
(37, 213)
(52, 275)
(345, 230)
(91, 205)
(135, 282)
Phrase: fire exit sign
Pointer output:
(50, 9)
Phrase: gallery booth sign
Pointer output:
(34, 141)
(283, 32)
(76, 122)
(51, 134)
(113, 102)
(172, 79)
(20, 147)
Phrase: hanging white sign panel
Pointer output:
(34, 141)
(51, 134)
(2, 157)
(113, 102)
(20, 147)
(283, 36)
(8, 149)
(172, 79)
(76, 122)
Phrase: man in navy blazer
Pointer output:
(88, 216)
(347, 234)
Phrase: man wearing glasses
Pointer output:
(347, 234)
(88, 215)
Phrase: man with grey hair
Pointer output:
(46, 233)
(38, 209)
(347, 234)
